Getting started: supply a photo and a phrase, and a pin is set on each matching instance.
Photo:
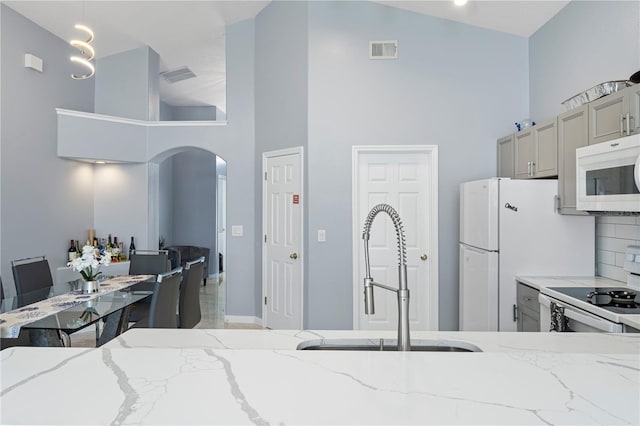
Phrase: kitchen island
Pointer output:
(257, 377)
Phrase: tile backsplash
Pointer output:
(613, 235)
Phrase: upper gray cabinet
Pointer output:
(506, 157)
(573, 127)
(614, 116)
(536, 151)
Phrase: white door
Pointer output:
(282, 256)
(478, 289)
(222, 227)
(404, 181)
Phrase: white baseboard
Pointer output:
(243, 319)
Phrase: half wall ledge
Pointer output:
(85, 136)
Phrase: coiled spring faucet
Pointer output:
(404, 343)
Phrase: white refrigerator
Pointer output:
(508, 228)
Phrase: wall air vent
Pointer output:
(178, 74)
(383, 49)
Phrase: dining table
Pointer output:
(49, 312)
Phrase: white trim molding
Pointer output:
(432, 152)
(265, 156)
(114, 119)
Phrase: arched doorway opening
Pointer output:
(190, 194)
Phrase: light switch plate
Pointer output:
(237, 230)
(322, 235)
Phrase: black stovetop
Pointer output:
(601, 300)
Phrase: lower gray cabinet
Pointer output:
(528, 309)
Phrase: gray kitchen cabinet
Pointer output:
(536, 151)
(506, 157)
(524, 153)
(527, 308)
(614, 116)
(573, 127)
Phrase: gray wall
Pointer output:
(281, 72)
(165, 200)
(234, 142)
(586, 43)
(455, 86)
(46, 201)
(127, 84)
(188, 113)
(194, 200)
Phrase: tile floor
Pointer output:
(212, 307)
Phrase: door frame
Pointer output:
(265, 157)
(432, 161)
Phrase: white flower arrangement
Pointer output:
(89, 263)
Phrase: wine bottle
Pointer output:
(132, 247)
(115, 250)
(73, 254)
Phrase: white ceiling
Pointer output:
(192, 33)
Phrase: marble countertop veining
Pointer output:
(521, 378)
(290, 339)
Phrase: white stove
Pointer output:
(593, 308)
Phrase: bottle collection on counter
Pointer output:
(108, 245)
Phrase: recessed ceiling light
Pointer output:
(459, 2)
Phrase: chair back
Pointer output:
(164, 302)
(189, 314)
(31, 274)
(149, 262)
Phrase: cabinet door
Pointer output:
(529, 320)
(632, 106)
(506, 157)
(573, 128)
(546, 149)
(605, 118)
(524, 153)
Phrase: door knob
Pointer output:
(293, 256)
(423, 257)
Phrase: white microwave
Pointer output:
(608, 176)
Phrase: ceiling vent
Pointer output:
(179, 74)
(383, 49)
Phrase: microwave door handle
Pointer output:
(622, 118)
(629, 124)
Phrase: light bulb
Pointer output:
(459, 2)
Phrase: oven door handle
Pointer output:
(583, 317)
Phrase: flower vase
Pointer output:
(90, 287)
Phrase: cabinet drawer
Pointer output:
(528, 297)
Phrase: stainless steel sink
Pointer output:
(386, 345)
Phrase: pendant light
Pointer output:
(87, 52)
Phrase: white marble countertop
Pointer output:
(521, 378)
(290, 339)
(543, 283)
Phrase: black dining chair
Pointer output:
(31, 274)
(146, 262)
(189, 314)
(164, 302)
(151, 262)
(33, 281)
